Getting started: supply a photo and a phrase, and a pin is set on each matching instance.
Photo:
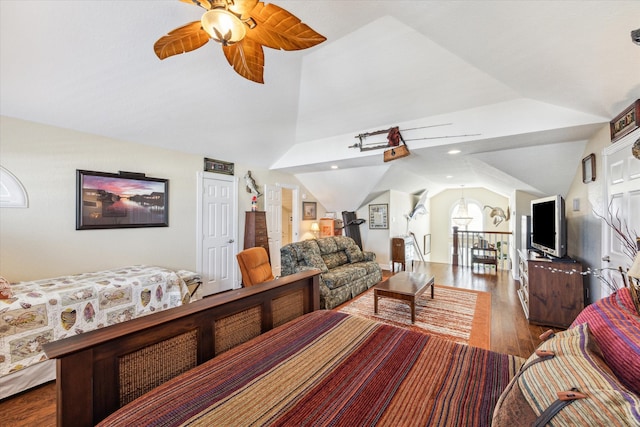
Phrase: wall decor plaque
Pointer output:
(625, 122)
(218, 166)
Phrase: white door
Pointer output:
(218, 232)
(273, 208)
(622, 192)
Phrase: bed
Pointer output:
(330, 368)
(306, 366)
(41, 311)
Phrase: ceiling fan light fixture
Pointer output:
(223, 26)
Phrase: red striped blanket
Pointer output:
(329, 368)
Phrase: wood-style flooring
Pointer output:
(510, 333)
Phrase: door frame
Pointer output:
(200, 177)
(295, 210)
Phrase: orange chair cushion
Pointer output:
(254, 266)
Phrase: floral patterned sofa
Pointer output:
(346, 270)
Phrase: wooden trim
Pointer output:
(87, 364)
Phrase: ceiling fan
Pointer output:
(242, 27)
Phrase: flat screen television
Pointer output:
(548, 226)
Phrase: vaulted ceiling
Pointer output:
(526, 82)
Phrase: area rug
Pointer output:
(455, 314)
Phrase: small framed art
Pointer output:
(309, 211)
(589, 168)
(122, 200)
(427, 244)
(378, 216)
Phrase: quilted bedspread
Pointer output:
(329, 368)
(51, 309)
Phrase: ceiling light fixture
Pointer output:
(454, 151)
(242, 27)
(223, 26)
(461, 213)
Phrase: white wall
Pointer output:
(41, 241)
(584, 229)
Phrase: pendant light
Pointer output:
(461, 213)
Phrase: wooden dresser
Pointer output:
(255, 230)
(552, 293)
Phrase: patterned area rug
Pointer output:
(455, 314)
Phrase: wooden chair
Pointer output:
(254, 266)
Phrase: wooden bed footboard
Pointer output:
(102, 370)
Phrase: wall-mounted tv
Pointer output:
(548, 226)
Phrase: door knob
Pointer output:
(230, 241)
(606, 258)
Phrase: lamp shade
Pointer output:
(315, 226)
(223, 26)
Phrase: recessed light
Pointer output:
(454, 151)
(449, 176)
(334, 166)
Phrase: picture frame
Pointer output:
(123, 200)
(589, 168)
(379, 216)
(309, 210)
(427, 244)
(625, 122)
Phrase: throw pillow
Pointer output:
(5, 289)
(354, 254)
(616, 327)
(577, 362)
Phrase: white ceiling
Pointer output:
(530, 81)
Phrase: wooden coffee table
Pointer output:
(405, 286)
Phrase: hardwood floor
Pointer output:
(510, 333)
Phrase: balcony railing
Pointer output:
(481, 249)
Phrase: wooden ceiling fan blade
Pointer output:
(242, 7)
(181, 40)
(247, 59)
(279, 29)
(205, 4)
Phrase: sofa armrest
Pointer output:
(369, 256)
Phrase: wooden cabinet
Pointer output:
(401, 251)
(255, 230)
(551, 292)
(330, 227)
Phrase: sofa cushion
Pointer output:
(343, 275)
(615, 325)
(311, 255)
(343, 242)
(335, 259)
(327, 245)
(577, 363)
(354, 254)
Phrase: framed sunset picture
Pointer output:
(122, 200)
